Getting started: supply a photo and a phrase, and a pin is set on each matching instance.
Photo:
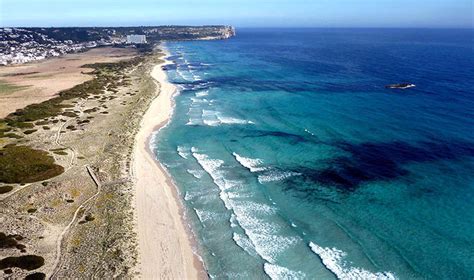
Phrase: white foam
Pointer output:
(243, 242)
(209, 118)
(256, 207)
(183, 75)
(260, 231)
(194, 114)
(274, 176)
(202, 93)
(307, 131)
(193, 122)
(333, 259)
(204, 215)
(172, 165)
(276, 272)
(188, 196)
(215, 118)
(230, 120)
(233, 220)
(198, 100)
(196, 173)
(211, 166)
(250, 163)
(183, 152)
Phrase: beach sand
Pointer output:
(165, 246)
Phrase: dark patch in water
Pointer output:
(292, 137)
(369, 162)
(191, 86)
(193, 66)
(168, 67)
(247, 83)
(28, 262)
(173, 57)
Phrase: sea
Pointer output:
(294, 161)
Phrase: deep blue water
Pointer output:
(295, 162)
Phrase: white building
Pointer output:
(136, 39)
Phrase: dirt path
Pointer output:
(57, 261)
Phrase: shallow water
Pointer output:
(295, 162)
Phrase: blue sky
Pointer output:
(240, 13)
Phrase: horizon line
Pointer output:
(246, 27)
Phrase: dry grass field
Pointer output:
(24, 84)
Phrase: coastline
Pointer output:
(164, 244)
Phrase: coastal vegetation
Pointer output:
(36, 276)
(44, 148)
(5, 189)
(28, 262)
(22, 164)
(9, 88)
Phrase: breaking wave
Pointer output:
(183, 152)
(274, 176)
(250, 163)
(196, 173)
(333, 259)
(215, 118)
(202, 93)
(276, 272)
(253, 217)
(267, 174)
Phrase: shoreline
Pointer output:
(165, 246)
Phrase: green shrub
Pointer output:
(19, 124)
(5, 189)
(29, 131)
(22, 164)
(11, 135)
(41, 122)
(28, 262)
(36, 276)
(69, 114)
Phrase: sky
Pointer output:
(239, 13)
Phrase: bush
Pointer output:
(29, 131)
(11, 135)
(28, 262)
(22, 164)
(36, 276)
(5, 189)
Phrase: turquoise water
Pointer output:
(294, 161)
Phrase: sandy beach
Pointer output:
(165, 247)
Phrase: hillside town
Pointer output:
(22, 45)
